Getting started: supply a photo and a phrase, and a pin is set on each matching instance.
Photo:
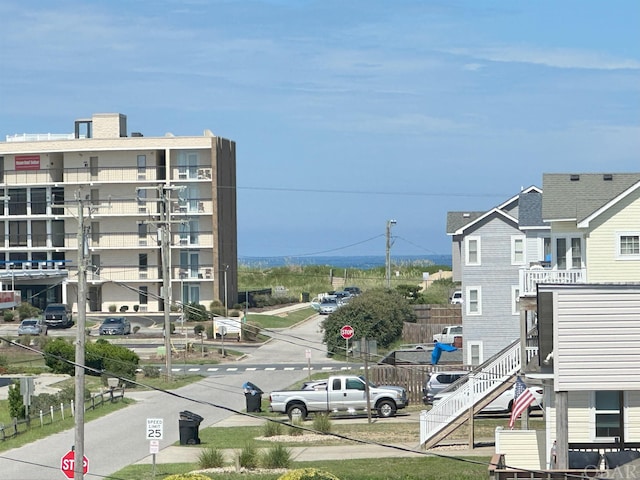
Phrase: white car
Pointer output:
(504, 402)
(456, 298)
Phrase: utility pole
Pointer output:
(78, 473)
(164, 234)
(390, 223)
(165, 249)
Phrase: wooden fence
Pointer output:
(411, 377)
(57, 413)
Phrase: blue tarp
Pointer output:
(438, 348)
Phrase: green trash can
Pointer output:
(305, 296)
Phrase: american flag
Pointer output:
(522, 398)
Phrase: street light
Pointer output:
(390, 223)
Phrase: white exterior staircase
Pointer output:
(477, 390)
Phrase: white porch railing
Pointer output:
(470, 391)
(530, 277)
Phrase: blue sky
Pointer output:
(346, 113)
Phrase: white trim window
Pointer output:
(569, 253)
(517, 250)
(474, 301)
(606, 415)
(515, 300)
(472, 251)
(628, 246)
(474, 352)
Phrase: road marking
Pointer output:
(288, 368)
(327, 368)
(251, 369)
(214, 369)
(194, 369)
(270, 368)
(232, 369)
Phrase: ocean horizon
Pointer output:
(360, 262)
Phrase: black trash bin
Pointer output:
(189, 426)
(253, 397)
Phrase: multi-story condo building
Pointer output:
(150, 206)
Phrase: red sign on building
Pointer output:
(27, 162)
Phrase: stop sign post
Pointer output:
(346, 332)
(67, 463)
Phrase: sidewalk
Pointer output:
(190, 454)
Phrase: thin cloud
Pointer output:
(555, 58)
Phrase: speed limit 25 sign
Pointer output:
(154, 428)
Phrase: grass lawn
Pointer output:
(427, 468)
(281, 321)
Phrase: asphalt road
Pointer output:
(119, 439)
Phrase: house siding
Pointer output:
(578, 416)
(495, 277)
(604, 265)
(581, 419)
(523, 448)
(597, 330)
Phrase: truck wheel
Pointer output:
(297, 410)
(386, 408)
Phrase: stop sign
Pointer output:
(346, 332)
(67, 463)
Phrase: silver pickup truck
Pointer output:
(341, 393)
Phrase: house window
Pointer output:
(576, 253)
(142, 167)
(474, 350)
(569, 249)
(474, 303)
(607, 414)
(142, 231)
(143, 262)
(628, 246)
(517, 250)
(472, 251)
(38, 201)
(143, 295)
(546, 249)
(515, 300)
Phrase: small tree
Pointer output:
(16, 405)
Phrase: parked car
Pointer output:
(354, 291)
(115, 326)
(504, 402)
(456, 298)
(58, 315)
(32, 326)
(328, 305)
(435, 382)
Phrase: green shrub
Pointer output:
(9, 316)
(195, 312)
(210, 458)
(248, 456)
(26, 310)
(250, 331)
(306, 474)
(112, 308)
(322, 423)
(150, 371)
(271, 429)
(198, 329)
(277, 456)
(16, 405)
